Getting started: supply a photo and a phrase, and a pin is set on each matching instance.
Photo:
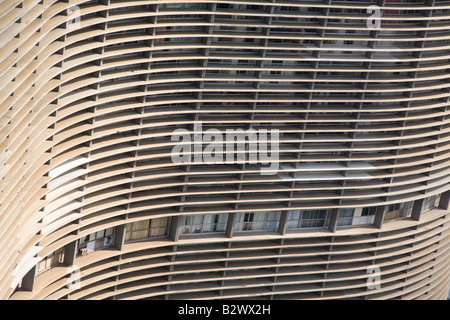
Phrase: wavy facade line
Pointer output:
(92, 205)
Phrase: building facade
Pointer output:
(93, 205)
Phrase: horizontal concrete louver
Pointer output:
(92, 91)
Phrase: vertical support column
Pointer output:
(230, 224)
(333, 220)
(70, 252)
(174, 232)
(119, 236)
(417, 209)
(28, 280)
(379, 217)
(282, 224)
(444, 202)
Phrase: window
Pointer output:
(391, 207)
(345, 217)
(245, 221)
(53, 259)
(159, 227)
(203, 223)
(146, 229)
(430, 202)
(257, 221)
(97, 240)
(315, 218)
(297, 219)
(368, 211)
(137, 230)
(406, 208)
(393, 211)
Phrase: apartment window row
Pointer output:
(243, 222)
(210, 223)
(256, 221)
(247, 221)
(299, 219)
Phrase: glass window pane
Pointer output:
(109, 232)
(100, 234)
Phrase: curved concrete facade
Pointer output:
(92, 205)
